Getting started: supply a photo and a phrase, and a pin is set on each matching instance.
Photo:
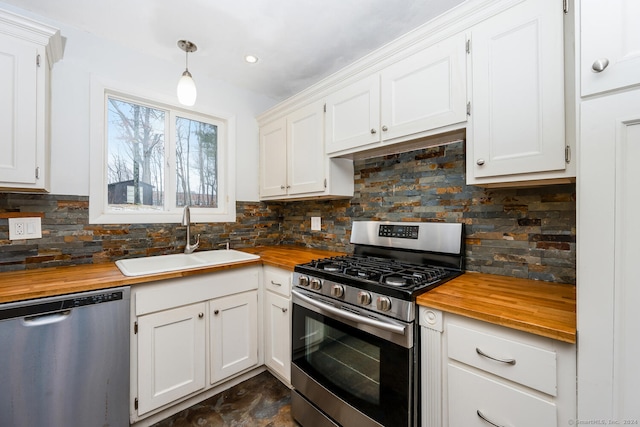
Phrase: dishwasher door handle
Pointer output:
(47, 319)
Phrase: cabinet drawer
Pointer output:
(277, 280)
(517, 361)
(472, 395)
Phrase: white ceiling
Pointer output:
(299, 42)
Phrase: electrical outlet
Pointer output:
(316, 223)
(19, 228)
(25, 228)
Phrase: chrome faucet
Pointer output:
(186, 220)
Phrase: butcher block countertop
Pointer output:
(45, 282)
(542, 308)
(287, 257)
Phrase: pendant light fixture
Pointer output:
(186, 86)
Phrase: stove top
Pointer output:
(392, 263)
(381, 270)
(382, 275)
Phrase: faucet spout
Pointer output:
(186, 221)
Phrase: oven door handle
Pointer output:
(396, 329)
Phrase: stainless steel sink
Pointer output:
(175, 262)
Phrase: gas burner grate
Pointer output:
(381, 270)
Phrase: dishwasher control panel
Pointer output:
(92, 299)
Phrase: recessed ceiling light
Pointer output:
(251, 59)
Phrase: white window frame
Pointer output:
(99, 213)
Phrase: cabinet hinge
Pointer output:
(325, 108)
(37, 172)
(135, 403)
(325, 183)
(135, 327)
(567, 154)
(469, 108)
(468, 48)
(565, 6)
(38, 60)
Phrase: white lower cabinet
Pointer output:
(171, 348)
(480, 374)
(188, 330)
(478, 400)
(277, 322)
(233, 335)
(278, 334)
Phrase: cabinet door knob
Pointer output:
(200, 315)
(480, 162)
(599, 65)
(384, 128)
(284, 309)
(216, 312)
(373, 131)
(282, 187)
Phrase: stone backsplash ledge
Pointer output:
(527, 232)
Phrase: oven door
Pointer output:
(356, 369)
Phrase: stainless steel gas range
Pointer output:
(355, 355)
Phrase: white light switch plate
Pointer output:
(25, 228)
(316, 224)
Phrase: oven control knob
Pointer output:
(315, 284)
(337, 291)
(383, 304)
(364, 298)
(303, 281)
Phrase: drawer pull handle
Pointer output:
(507, 361)
(276, 283)
(481, 415)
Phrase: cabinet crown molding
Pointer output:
(454, 21)
(34, 32)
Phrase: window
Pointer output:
(155, 159)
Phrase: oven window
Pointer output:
(368, 372)
(348, 362)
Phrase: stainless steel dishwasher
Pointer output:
(64, 361)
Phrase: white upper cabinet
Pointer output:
(353, 115)
(27, 50)
(305, 150)
(425, 91)
(273, 158)
(292, 160)
(407, 99)
(610, 45)
(489, 71)
(517, 125)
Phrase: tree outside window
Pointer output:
(138, 143)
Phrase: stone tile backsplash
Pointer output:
(524, 232)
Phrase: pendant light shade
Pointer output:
(186, 86)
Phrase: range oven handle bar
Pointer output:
(396, 329)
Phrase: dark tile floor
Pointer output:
(262, 401)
